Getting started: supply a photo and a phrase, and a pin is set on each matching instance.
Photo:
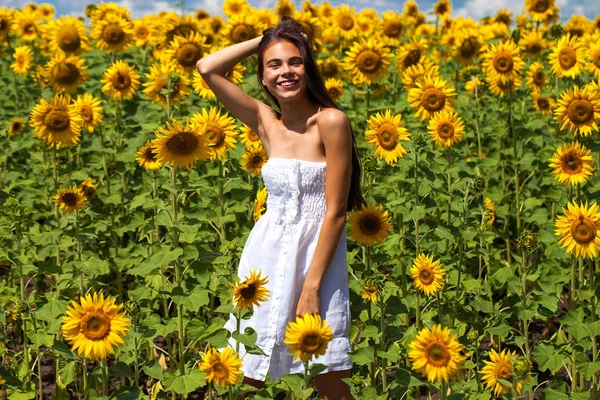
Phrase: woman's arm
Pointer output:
(336, 136)
(214, 68)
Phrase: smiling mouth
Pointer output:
(287, 84)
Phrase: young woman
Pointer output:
(312, 177)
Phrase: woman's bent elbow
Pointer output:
(201, 67)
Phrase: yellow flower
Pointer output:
(417, 72)
(243, 27)
(17, 125)
(220, 131)
(474, 85)
(442, 8)
(259, 204)
(502, 61)
(503, 88)
(181, 145)
(391, 25)
(446, 128)
(370, 224)
(250, 292)
(158, 81)
(387, 133)
(542, 103)
(68, 35)
(146, 157)
(223, 368)
(56, 122)
(593, 54)
(500, 367)
(249, 138)
(370, 291)
(113, 33)
(467, 45)
(120, 81)
(412, 53)
(330, 67)
(568, 57)
(344, 19)
(335, 88)
(308, 336)
(70, 200)
(187, 50)
(94, 326)
(536, 77)
(579, 110)
(284, 8)
(108, 10)
(235, 7)
(367, 61)
(65, 74)
(311, 25)
(435, 354)
(533, 43)
(200, 87)
(88, 188)
(578, 230)
(26, 26)
(253, 159)
(144, 31)
(428, 275)
(23, 60)
(572, 164)
(90, 109)
(490, 212)
(539, 10)
(430, 96)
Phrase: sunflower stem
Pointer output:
(105, 166)
(443, 391)
(479, 149)
(306, 384)
(222, 200)
(56, 211)
(237, 329)
(524, 301)
(155, 212)
(516, 163)
(593, 274)
(79, 251)
(416, 194)
(104, 378)
(449, 179)
(418, 310)
(84, 375)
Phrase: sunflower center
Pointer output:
(334, 92)
(121, 81)
(68, 39)
(16, 126)
(543, 103)
(95, 325)
(65, 73)
(426, 276)
(437, 355)
(469, 47)
(368, 61)
(329, 70)
(113, 33)
(441, 9)
(504, 372)
(248, 292)
(3, 25)
(412, 58)
(581, 111)
(433, 100)
(572, 163)
(29, 29)
(219, 370)
(256, 160)
(310, 343)
(188, 54)
(503, 63)
(57, 120)
(539, 78)
(180, 30)
(541, 6)
(583, 230)
(216, 136)
(567, 58)
(149, 155)
(142, 32)
(392, 28)
(388, 137)
(182, 143)
(370, 224)
(346, 22)
(241, 33)
(69, 199)
(534, 48)
(445, 130)
(87, 113)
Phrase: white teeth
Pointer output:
(287, 83)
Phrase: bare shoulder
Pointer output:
(332, 120)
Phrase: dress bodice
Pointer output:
(296, 189)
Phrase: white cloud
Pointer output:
(478, 9)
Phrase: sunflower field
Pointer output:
(127, 193)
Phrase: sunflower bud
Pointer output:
(174, 79)
(479, 184)
(357, 380)
(419, 141)
(370, 163)
(132, 307)
(21, 306)
(472, 335)
(516, 35)
(557, 31)
(89, 10)
(528, 242)
(522, 366)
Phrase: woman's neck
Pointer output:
(295, 112)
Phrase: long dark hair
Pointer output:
(290, 30)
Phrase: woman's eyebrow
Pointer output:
(279, 60)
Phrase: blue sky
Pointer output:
(473, 8)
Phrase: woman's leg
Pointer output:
(253, 382)
(331, 387)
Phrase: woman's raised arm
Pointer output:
(214, 68)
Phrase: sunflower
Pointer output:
(428, 275)
(578, 229)
(65, 74)
(536, 77)
(579, 110)
(70, 200)
(144, 31)
(415, 73)
(391, 26)
(442, 8)
(284, 8)
(259, 204)
(578, 25)
(160, 77)
(56, 122)
(186, 51)
(222, 368)
(502, 61)
(370, 224)
(17, 125)
(236, 74)
(543, 104)
(367, 61)
(435, 353)
(499, 367)
(311, 25)
(474, 85)
(249, 138)
(331, 40)
(90, 109)
(533, 43)
(88, 188)
(446, 128)
(23, 56)
(568, 57)
(539, 10)
(490, 212)
(250, 292)
(94, 326)
(308, 336)
(181, 145)
(387, 133)
(330, 67)
(335, 88)
(370, 291)
(113, 33)
(572, 164)
(146, 157)
(235, 7)
(344, 19)
(220, 131)
(26, 26)
(503, 16)
(201, 14)
(503, 88)
(467, 45)
(120, 81)
(6, 22)
(200, 87)
(411, 53)
(253, 159)
(243, 27)
(68, 35)
(108, 10)
(593, 54)
(430, 96)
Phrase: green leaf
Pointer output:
(68, 372)
(418, 212)
(94, 267)
(184, 384)
(363, 356)
(50, 311)
(191, 301)
(548, 357)
(160, 259)
(154, 370)
(121, 369)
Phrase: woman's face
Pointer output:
(283, 73)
